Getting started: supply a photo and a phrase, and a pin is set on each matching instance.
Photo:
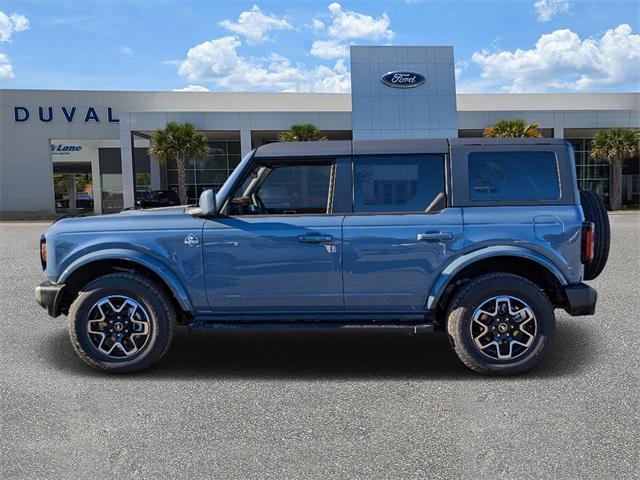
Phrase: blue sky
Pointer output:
(500, 46)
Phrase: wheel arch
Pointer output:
(90, 267)
(516, 260)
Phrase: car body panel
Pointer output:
(153, 238)
(269, 261)
(551, 231)
(386, 266)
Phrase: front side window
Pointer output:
(397, 183)
(284, 189)
(513, 176)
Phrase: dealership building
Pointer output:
(80, 152)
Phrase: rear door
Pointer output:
(393, 249)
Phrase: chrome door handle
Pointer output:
(315, 238)
(434, 236)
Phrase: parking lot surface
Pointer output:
(320, 404)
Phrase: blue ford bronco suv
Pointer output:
(479, 238)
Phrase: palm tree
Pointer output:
(614, 146)
(512, 129)
(178, 141)
(301, 133)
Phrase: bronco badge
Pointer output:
(191, 240)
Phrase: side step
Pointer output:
(415, 328)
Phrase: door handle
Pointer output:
(315, 238)
(434, 236)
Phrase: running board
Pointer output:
(415, 328)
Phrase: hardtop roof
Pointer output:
(333, 148)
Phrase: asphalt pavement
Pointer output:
(320, 404)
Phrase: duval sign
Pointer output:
(66, 113)
(403, 79)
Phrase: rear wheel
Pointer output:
(595, 211)
(121, 322)
(501, 324)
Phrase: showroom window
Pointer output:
(592, 174)
(208, 172)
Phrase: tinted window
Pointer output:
(297, 189)
(397, 183)
(283, 189)
(518, 176)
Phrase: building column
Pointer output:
(126, 157)
(245, 142)
(96, 180)
(558, 133)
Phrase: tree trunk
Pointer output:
(182, 181)
(615, 196)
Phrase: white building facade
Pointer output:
(82, 152)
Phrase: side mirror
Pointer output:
(207, 204)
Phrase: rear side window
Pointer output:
(515, 176)
(397, 183)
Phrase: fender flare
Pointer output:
(464, 261)
(153, 264)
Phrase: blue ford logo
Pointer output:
(403, 79)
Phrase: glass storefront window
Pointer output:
(208, 172)
(112, 199)
(73, 187)
(592, 174)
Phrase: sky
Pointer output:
(303, 46)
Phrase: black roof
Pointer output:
(333, 148)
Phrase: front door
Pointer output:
(393, 250)
(277, 246)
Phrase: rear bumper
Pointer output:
(581, 299)
(48, 295)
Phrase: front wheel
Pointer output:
(501, 324)
(121, 322)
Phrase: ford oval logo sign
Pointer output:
(403, 79)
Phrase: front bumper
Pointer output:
(581, 299)
(48, 295)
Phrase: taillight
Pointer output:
(43, 252)
(588, 233)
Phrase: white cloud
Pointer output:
(125, 50)
(192, 88)
(547, 9)
(317, 25)
(562, 60)
(346, 25)
(254, 25)
(460, 67)
(211, 58)
(10, 24)
(6, 70)
(329, 49)
(217, 61)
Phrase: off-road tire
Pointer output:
(144, 291)
(595, 211)
(472, 296)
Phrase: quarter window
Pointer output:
(397, 183)
(513, 176)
